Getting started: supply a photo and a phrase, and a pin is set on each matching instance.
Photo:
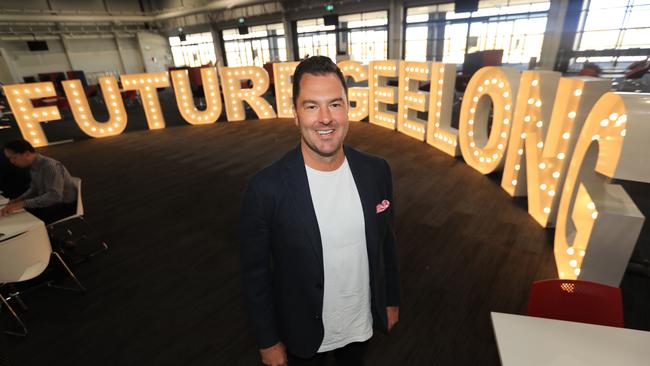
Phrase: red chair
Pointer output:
(131, 96)
(90, 90)
(636, 70)
(577, 301)
(194, 74)
(269, 69)
(62, 103)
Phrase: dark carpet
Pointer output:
(168, 292)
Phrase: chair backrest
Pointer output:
(578, 301)
(194, 74)
(25, 256)
(80, 205)
(130, 94)
(56, 78)
(44, 76)
(78, 74)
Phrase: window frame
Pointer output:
(337, 31)
(469, 20)
(182, 45)
(250, 40)
(617, 54)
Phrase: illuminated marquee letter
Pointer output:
(356, 94)
(28, 117)
(535, 163)
(380, 94)
(82, 114)
(440, 133)
(234, 95)
(146, 85)
(598, 224)
(282, 73)
(185, 99)
(411, 100)
(482, 152)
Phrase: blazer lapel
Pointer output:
(363, 180)
(296, 179)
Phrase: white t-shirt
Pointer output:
(346, 303)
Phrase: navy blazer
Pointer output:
(282, 254)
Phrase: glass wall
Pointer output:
(609, 26)
(316, 38)
(262, 44)
(438, 33)
(360, 37)
(365, 35)
(196, 50)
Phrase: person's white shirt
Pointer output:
(347, 316)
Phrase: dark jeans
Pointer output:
(350, 355)
(53, 213)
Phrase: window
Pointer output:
(614, 24)
(366, 35)
(262, 44)
(417, 40)
(362, 37)
(455, 43)
(196, 50)
(316, 38)
(609, 26)
(436, 32)
(425, 33)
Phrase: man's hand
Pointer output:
(393, 316)
(12, 206)
(274, 355)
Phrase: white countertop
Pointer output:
(531, 341)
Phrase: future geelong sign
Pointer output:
(558, 140)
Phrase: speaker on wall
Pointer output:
(182, 37)
(331, 19)
(243, 29)
(37, 45)
(464, 6)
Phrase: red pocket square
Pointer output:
(381, 207)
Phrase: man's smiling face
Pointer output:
(321, 113)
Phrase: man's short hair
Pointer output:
(316, 65)
(19, 146)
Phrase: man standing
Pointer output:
(318, 250)
(52, 194)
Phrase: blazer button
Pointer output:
(319, 286)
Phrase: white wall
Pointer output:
(156, 52)
(94, 55)
(132, 57)
(144, 52)
(6, 75)
(148, 52)
(28, 63)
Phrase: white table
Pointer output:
(25, 247)
(531, 341)
(16, 222)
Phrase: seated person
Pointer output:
(52, 194)
(13, 180)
